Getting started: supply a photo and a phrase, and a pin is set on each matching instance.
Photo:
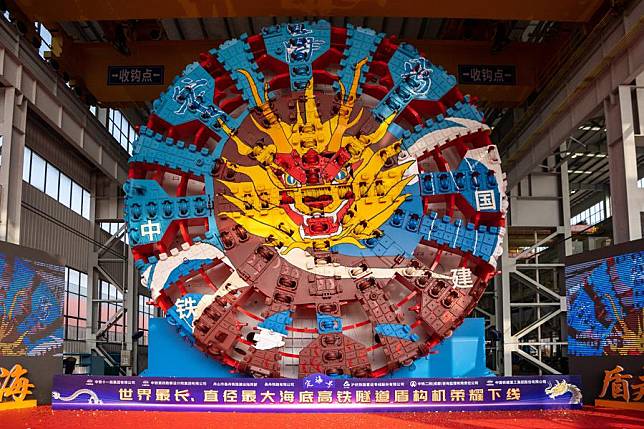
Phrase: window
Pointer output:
(77, 198)
(146, 311)
(37, 176)
(50, 180)
(26, 165)
(51, 187)
(591, 216)
(45, 39)
(86, 200)
(640, 183)
(121, 129)
(111, 294)
(65, 193)
(75, 304)
(112, 227)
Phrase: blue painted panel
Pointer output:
(461, 355)
(169, 355)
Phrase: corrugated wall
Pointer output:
(45, 223)
(48, 144)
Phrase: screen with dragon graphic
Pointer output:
(605, 306)
(32, 287)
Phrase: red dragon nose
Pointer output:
(318, 202)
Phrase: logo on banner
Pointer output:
(561, 388)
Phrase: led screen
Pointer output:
(31, 304)
(605, 306)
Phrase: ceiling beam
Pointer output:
(92, 10)
(88, 63)
(610, 56)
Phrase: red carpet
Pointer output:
(44, 417)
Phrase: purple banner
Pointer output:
(316, 393)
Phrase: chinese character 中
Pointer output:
(150, 230)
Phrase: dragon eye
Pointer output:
(290, 180)
(341, 176)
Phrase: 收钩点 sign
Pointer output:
(486, 74)
(135, 75)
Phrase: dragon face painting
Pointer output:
(315, 199)
(315, 185)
